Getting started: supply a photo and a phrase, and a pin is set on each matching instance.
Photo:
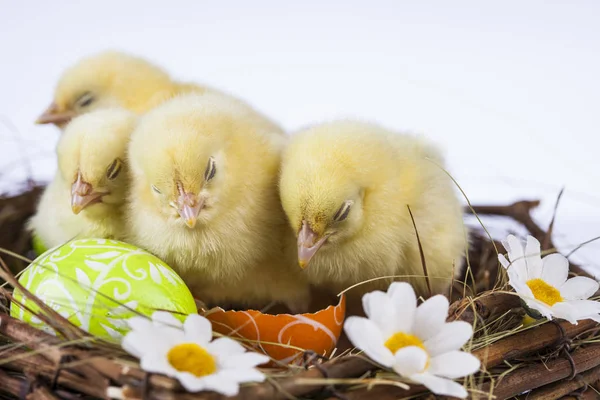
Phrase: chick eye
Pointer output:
(155, 189)
(343, 212)
(85, 100)
(114, 169)
(211, 169)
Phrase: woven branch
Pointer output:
(566, 387)
(520, 211)
(529, 341)
(541, 374)
(484, 308)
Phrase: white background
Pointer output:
(510, 89)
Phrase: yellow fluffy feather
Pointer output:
(112, 79)
(204, 199)
(345, 187)
(88, 193)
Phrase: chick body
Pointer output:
(112, 79)
(204, 199)
(345, 187)
(87, 195)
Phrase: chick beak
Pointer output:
(308, 244)
(53, 115)
(189, 206)
(83, 195)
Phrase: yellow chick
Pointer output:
(204, 199)
(345, 187)
(111, 79)
(87, 196)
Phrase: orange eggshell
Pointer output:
(318, 331)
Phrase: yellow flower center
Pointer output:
(544, 292)
(189, 357)
(400, 340)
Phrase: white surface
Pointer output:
(509, 88)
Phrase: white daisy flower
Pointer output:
(185, 351)
(416, 342)
(543, 285)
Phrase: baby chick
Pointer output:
(345, 187)
(204, 199)
(111, 79)
(88, 193)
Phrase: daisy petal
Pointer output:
(191, 383)
(197, 329)
(505, 263)
(518, 284)
(137, 343)
(225, 347)
(245, 360)
(556, 270)
(140, 324)
(404, 298)
(595, 318)
(440, 386)
(221, 384)
(578, 288)
(380, 309)
(514, 246)
(533, 258)
(157, 364)
(575, 310)
(452, 336)
(242, 375)
(539, 306)
(366, 336)
(430, 317)
(410, 360)
(454, 364)
(164, 318)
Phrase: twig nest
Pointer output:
(282, 336)
(97, 284)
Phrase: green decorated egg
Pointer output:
(97, 283)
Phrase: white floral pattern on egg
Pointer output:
(99, 283)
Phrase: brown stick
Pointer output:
(124, 374)
(41, 393)
(20, 332)
(349, 367)
(565, 387)
(521, 212)
(38, 366)
(541, 374)
(486, 307)
(383, 392)
(529, 341)
(10, 384)
(52, 349)
(587, 395)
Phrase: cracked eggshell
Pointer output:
(282, 335)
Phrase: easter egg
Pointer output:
(283, 337)
(97, 284)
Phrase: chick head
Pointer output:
(92, 160)
(328, 173)
(108, 79)
(179, 163)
